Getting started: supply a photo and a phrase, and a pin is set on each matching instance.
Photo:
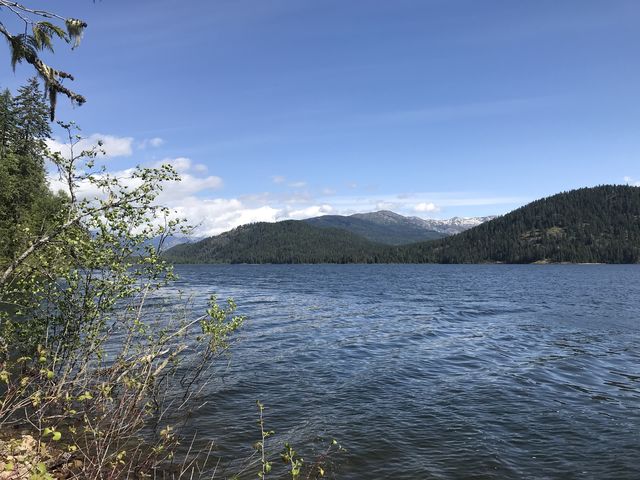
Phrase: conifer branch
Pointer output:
(25, 47)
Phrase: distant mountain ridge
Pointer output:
(449, 226)
(384, 227)
(588, 225)
(454, 225)
(380, 227)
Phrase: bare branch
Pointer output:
(40, 13)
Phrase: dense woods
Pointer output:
(588, 225)
(600, 224)
(387, 233)
(283, 242)
(27, 205)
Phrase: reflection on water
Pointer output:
(434, 371)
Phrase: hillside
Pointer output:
(282, 242)
(372, 227)
(589, 225)
(445, 227)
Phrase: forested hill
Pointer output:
(589, 225)
(282, 242)
(399, 232)
(600, 225)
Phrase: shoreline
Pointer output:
(537, 263)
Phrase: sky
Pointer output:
(276, 109)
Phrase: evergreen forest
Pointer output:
(589, 225)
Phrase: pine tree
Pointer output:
(32, 119)
(7, 121)
(25, 199)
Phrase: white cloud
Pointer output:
(181, 164)
(426, 207)
(216, 215)
(113, 146)
(188, 185)
(312, 211)
(298, 184)
(154, 142)
(328, 191)
(86, 189)
(631, 181)
(278, 179)
(213, 216)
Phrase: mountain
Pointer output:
(588, 225)
(452, 225)
(393, 229)
(380, 227)
(289, 241)
(445, 227)
(386, 217)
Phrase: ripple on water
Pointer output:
(435, 371)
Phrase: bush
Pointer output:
(96, 378)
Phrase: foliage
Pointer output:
(41, 29)
(292, 465)
(27, 206)
(84, 364)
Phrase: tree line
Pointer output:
(283, 242)
(27, 206)
(588, 225)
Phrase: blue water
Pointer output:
(433, 371)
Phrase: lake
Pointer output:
(433, 371)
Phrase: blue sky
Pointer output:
(278, 109)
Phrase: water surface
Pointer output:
(434, 371)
